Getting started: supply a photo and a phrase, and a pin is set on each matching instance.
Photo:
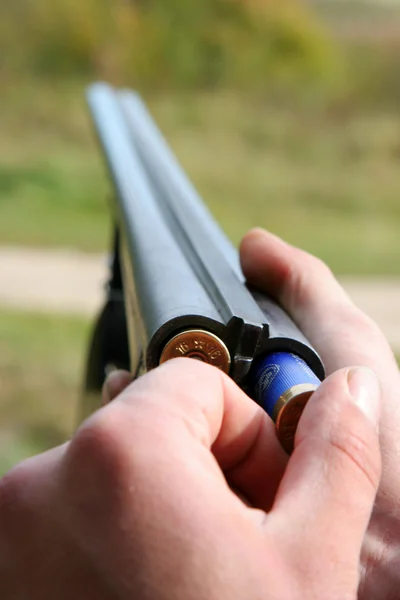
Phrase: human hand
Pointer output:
(138, 504)
(343, 336)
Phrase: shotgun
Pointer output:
(175, 286)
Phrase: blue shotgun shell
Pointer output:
(281, 384)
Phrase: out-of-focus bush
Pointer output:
(174, 43)
(59, 38)
(213, 43)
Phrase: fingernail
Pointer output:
(115, 383)
(365, 391)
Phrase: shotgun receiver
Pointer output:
(176, 287)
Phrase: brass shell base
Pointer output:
(288, 411)
(200, 345)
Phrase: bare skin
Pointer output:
(137, 504)
(343, 336)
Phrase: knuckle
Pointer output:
(360, 329)
(368, 326)
(106, 461)
(364, 323)
(300, 275)
(97, 456)
(319, 267)
(360, 452)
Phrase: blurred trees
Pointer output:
(167, 43)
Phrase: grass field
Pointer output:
(328, 181)
(41, 363)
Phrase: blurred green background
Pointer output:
(284, 114)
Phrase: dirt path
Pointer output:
(51, 281)
(72, 283)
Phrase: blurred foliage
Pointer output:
(159, 44)
(326, 179)
(276, 48)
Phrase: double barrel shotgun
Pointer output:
(175, 286)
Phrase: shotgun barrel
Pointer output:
(176, 287)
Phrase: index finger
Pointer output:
(183, 408)
(219, 415)
(306, 288)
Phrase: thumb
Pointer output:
(329, 486)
